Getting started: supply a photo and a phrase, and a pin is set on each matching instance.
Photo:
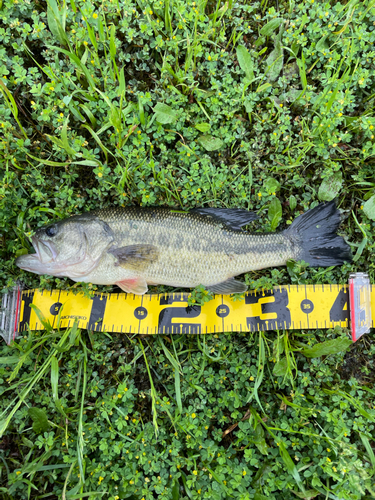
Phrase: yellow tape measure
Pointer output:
(285, 307)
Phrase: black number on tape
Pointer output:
(97, 312)
(307, 306)
(222, 311)
(337, 312)
(178, 315)
(278, 307)
(55, 308)
(140, 312)
(28, 300)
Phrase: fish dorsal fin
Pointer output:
(233, 218)
(228, 287)
(136, 257)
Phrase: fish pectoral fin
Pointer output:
(228, 287)
(138, 285)
(136, 257)
(233, 218)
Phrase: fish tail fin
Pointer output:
(314, 232)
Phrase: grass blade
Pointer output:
(54, 385)
(153, 392)
(28, 387)
(96, 137)
(56, 22)
(289, 464)
(9, 99)
(367, 445)
(122, 82)
(78, 63)
(291, 468)
(260, 372)
(64, 139)
(177, 369)
(80, 441)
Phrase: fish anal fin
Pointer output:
(233, 218)
(136, 257)
(137, 285)
(227, 287)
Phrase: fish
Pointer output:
(135, 247)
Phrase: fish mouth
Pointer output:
(32, 264)
(45, 250)
(46, 260)
(43, 261)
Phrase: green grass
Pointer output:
(266, 106)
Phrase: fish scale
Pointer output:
(193, 249)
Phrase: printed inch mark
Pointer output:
(97, 312)
(27, 299)
(171, 319)
(340, 308)
(277, 307)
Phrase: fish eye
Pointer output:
(51, 231)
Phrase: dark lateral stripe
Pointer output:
(97, 312)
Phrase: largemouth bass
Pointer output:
(135, 247)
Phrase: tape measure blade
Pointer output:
(284, 307)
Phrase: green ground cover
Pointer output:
(260, 105)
